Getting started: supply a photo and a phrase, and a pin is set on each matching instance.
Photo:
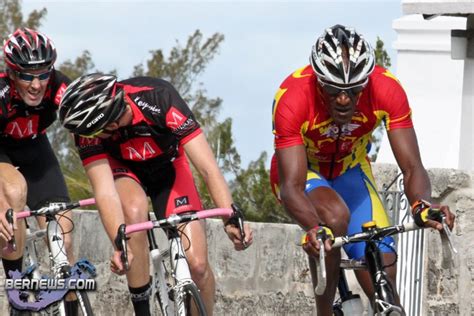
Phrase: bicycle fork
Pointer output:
(182, 275)
(59, 262)
(160, 287)
(384, 296)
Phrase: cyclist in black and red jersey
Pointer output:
(30, 92)
(134, 137)
(323, 117)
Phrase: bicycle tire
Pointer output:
(191, 294)
(84, 304)
(337, 311)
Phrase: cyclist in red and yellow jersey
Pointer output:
(323, 118)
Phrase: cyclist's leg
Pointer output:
(13, 190)
(358, 189)
(46, 185)
(334, 213)
(135, 208)
(197, 254)
(178, 194)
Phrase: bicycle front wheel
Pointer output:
(83, 303)
(192, 301)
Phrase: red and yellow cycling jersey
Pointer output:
(300, 117)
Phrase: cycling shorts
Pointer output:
(171, 189)
(358, 190)
(37, 162)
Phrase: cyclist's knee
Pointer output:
(200, 268)
(14, 191)
(135, 213)
(339, 222)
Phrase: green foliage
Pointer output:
(381, 56)
(11, 18)
(251, 189)
(382, 59)
(182, 67)
(81, 66)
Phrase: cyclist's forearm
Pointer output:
(111, 215)
(218, 189)
(417, 184)
(299, 207)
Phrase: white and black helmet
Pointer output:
(90, 103)
(327, 57)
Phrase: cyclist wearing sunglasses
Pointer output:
(134, 138)
(323, 118)
(30, 91)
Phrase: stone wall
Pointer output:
(272, 278)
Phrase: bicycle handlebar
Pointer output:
(176, 219)
(52, 209)
(234, 214)
(375, 233)
(55, 208)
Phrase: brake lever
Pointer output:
(237, 219)
(321, 267)
(448, 234)
(121, 244)
(321, 286)
(9, 217)
(436, 215)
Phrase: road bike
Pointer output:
(49, 302)
(173, 289)
(383, 302)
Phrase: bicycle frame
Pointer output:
(384, 297)
(59, 264)
(180, 271)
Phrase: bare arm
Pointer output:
(106, 196)
(292, 167)
(202, 158)
(405, 149)
(415, 178)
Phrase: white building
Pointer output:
(436, 68)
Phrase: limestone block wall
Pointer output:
(272, 277)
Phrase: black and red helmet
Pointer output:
(26, 49)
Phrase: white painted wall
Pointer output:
(433, 83)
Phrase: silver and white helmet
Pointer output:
(90, 103)
(327, 57)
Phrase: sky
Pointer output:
(265, 41)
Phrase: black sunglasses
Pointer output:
(30, 77)
(334, 90)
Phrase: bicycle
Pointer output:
(383, 302)
(49, 302)
(172, 288)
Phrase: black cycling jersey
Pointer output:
(23, 140)
(20, 122)
(162, 122)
